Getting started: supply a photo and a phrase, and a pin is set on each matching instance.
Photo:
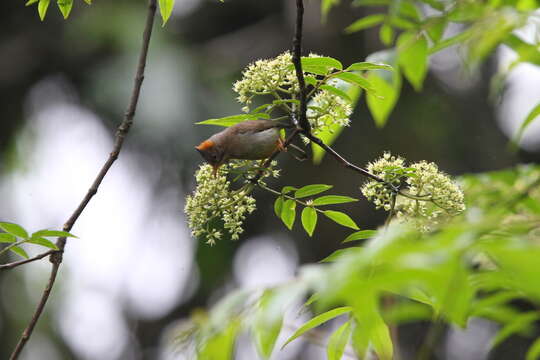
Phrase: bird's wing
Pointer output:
(252, 126)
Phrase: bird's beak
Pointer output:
(216, 168)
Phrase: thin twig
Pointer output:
(14, 264)
(347, 163)
(318, 337)
(391, 212)
(123, 129)
(297, 61)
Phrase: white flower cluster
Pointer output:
(277, 77)
(266, 77)
(214, 205)
(214, 208)
(328, 109)
(376, 192)
(432, 195)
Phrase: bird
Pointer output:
(247, 140)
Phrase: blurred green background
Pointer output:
(136, 272)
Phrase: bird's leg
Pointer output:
(281, 145)
(302, 154)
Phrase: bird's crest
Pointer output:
(205, 145)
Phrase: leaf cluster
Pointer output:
(413, 30)
(15, 235)
(476, 266)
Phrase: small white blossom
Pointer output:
(266, 77)
(434, 197)
(327, 109)
(214, 208)
(278, 76)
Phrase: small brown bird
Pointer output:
(248, 140)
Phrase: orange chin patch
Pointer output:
(205, 145)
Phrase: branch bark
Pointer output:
(302, 116)
(297, 61)
(123, 129)
(14, 264)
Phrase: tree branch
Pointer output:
(347, 163)
(25, 261)
(123, 129)
(303, 121)
(297, 61)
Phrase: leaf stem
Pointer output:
(12, 245)
(275, 192)
(14, 264)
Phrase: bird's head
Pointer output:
(212, 153)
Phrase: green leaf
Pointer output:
(333, 199)
(435, 28)
(370, 328)
(267, 324)
(166, 8)
(314, 297)
(322, 61)
(381, 106)
(341, 218)
(337, 342)
(533, 114)
(7, 238)
(54, 233)
(42, 8)
(288, 189)
(456, 39)
(43, 242)
(360, 235)
(220, 346)
(19, 251)
(364, 65)
(65, 7)
(309, 219)
(269, 313)
(534, 350)
(371, 2)
(326, 5)
(340, 252)
(490, 32)
(386, 34)
(365, 23)
(434, 4)
(314, 69)
(30, 2)
(89, 2)
(310, 190)
(278, 206)
(338, 92)
(521, 324)
(330, 134)
(233, 120)
(527, 52)
(413, 57)
(318, 320)
(288, 213)
(14, 229)
(310, 80)
(355, 79)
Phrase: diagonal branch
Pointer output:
(303, 121)
(123, 129)
(297, 61)
(347, 163)
(14, 264)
